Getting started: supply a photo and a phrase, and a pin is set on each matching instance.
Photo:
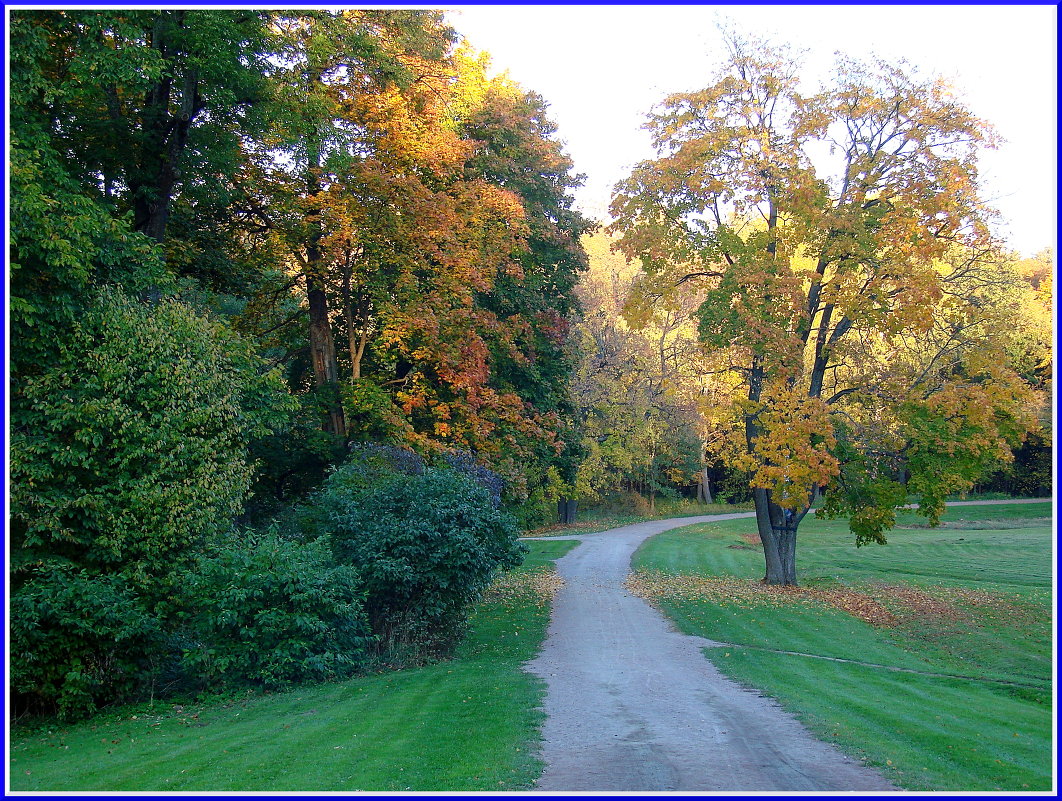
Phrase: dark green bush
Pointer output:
(78, 641)
(259, 609)
(426, 544)
(128, 456)
(131, 447)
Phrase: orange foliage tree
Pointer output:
(420, 262)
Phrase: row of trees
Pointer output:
(314, 179)
(243, 241)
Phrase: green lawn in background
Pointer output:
(468, 724)
(976, 715)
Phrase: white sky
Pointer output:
(601, 69)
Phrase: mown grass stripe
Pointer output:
(468, 725)
(1043, 686)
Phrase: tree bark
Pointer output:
(778, 536)
(778, 528)
(356, 339)
(322, 344)
(704, 492)
(323, 354)
(779, 542)
(773, 573)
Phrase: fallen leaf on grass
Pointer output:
(539, 584)
(751, 594)
(880, 605)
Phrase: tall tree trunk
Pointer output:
(322, 344)
(769, 541)
(323, 353)
(778, 535)
(779, 542)
(355, 343)
(704, 492)
(356, 339)
(778, 528)
(165, 135)
(153, 179)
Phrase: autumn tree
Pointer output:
(837, 285)
(639, 383)
(1025, 309)
(324, 64)
(532, 300)
(444, 245)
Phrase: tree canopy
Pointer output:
(849, 292)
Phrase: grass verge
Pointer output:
(468, 724)
(947, 633)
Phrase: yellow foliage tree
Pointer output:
(845, 291)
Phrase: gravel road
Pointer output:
(633, 705)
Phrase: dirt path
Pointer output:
(634, 705)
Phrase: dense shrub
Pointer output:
(1029, 475)
(465, 462)
(131, 446)
(128, 455)
(79, 640)
(259, 609)
(425, 545)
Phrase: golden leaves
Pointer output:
(746, 594)
(880, 605)
(792, 451)
(539, 584)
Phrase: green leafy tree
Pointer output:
(130, 450)
(66, 237)
(143, 103)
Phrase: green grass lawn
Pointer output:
(469, 724)
(948, 631)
